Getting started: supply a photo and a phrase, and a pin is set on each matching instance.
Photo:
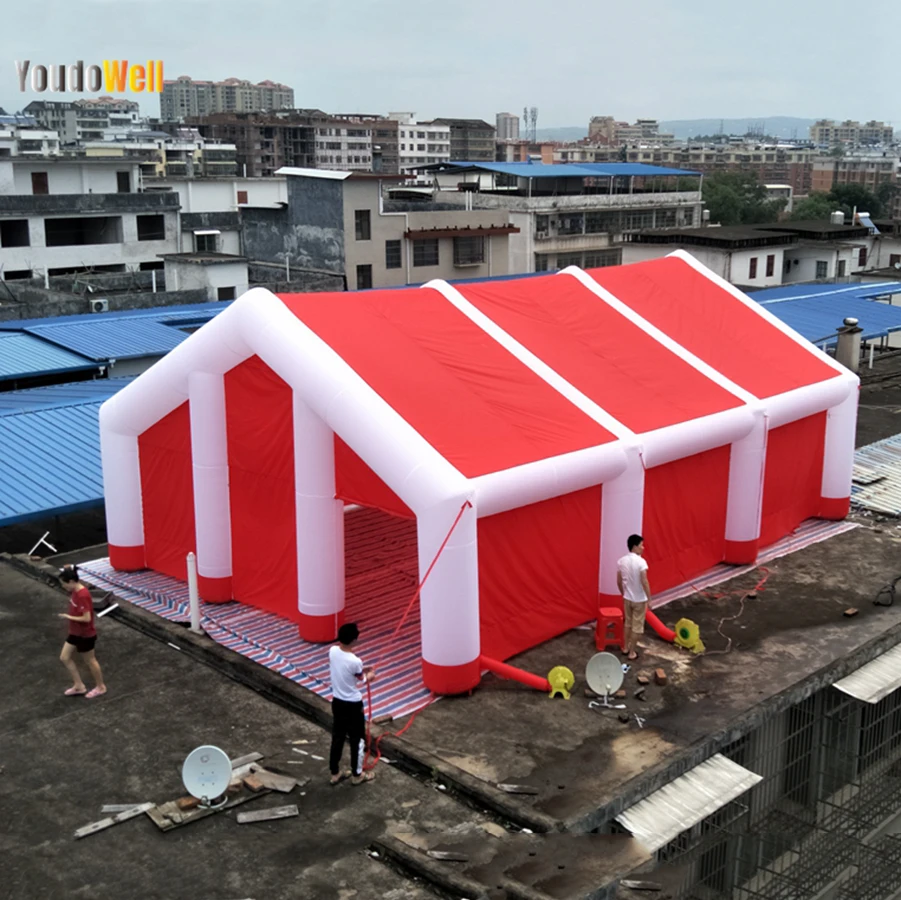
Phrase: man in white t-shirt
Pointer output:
(632, 581)
(348, 718)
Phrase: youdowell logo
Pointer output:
(113, 76)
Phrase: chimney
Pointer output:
(847, 352)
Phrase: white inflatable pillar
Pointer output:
(747, 463)
(319, 527)
(622, 514)
(212, 509)
(449, 601)
(122, 497)
(838, 457)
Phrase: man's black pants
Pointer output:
(349, 723)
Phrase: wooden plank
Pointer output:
(117, 807)
(244, 760)
(123, 816)
(518, 789)
(167, 816)
(448, 855)
(264, 815)
(281, 783)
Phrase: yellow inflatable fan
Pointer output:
(561, 681)
(688, 635)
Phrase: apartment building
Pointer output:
(266, 142)
(344, 142)
(22, 138)
(572, 215)
(338, 222)
(93, 119)
(386, 146)
(470, 139)
(184, 97)
(60, 215)
(827, 133)
(420, 144)
(866, 169)
(607, 131)
(507, 127)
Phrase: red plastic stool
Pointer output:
(609, 629)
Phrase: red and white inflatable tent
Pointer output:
(570, 410)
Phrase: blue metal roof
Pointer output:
(27, 356)
(188, 310)
(573, 170)
(818, 317)
(50, 451)
(796, 291)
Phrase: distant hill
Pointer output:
(778, 126)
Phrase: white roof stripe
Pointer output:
(531, 361)
(875, 680)
(684, 802)
(661, 337)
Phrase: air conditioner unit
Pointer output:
(99, 305)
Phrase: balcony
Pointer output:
(518, 203)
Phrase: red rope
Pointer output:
(721, 595)
(367, 765)
(429, 570)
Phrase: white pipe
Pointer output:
(872, 348)
(193, 593)
(153, 279)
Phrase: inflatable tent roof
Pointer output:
(649, 393)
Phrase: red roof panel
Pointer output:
(714, 325)
(474, 402)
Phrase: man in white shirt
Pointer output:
(632, 581)
(348, 718)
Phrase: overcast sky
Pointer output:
(570, 58)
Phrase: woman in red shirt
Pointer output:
(82, 635)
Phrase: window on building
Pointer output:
(364, 277)
(862, 257)
(242, 197)
(87, 230)
(362, 225)
(841, 269)
(14, 233)
(568, 259)
(541, 262)
(770, 265)
(597, 259)
(123, 182)
(425, 253)
(393, 255)
(469, 251)
(786, 267)
(206, 243)
(39, 183)
(17, 274)
(894, 259)
(225, 293)
(822, 268)
(752, 267)
(151, 228)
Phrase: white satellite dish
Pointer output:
(206, 774)
(604, 674)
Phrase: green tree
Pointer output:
(816, 205)
(738, 198)
(849, 196)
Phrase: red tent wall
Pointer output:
(167, 488)
(355, 482)
(685, 517)
(538, 571)
(259, 423)
(793, 479)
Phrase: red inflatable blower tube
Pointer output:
(514, 674)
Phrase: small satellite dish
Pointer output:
(206, 774)
(604, 674)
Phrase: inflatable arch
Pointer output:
(550, 417)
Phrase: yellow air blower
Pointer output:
(689, 636)
(561, 681)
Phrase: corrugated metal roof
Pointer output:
(572, 170)
(60, 395)
(877, 476)
(160, 313)
(684, 802)
(820, 317)
(118, 339)
(50, 455)
(797, 291)
(24, 356)
(876, 679)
